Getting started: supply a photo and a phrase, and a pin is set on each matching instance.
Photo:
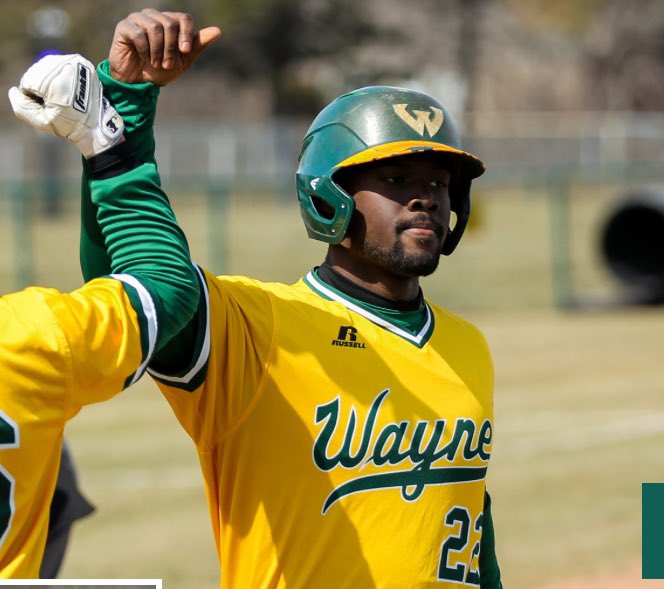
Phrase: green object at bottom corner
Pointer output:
(652, 531)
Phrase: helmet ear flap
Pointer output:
(326, 209)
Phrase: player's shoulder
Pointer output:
(32, 305)
(47, 307)
(28, 296)
(38, 319)
(25, 315)
(447, 319)
(240, 286)
(32, 295)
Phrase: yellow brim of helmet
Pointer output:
(474, 167)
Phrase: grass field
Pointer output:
(579, 411)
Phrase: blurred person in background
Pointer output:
(68, 505)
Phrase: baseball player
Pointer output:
(344, 423)
(60, 351)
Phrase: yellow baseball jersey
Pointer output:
(58, 352)
(338, 450)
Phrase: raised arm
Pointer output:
(61, 351)
(149, 50)
(62, 95)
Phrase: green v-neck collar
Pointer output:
(415, 326)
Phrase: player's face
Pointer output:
(402, 212)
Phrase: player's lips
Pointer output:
(421, 229)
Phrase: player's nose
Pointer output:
(424, 198)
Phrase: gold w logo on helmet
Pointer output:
(431, 121)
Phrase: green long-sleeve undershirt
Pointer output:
(128, 226)
(143, 239)
(137, 104)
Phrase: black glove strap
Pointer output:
(114, 161)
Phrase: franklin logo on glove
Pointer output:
(82, 86)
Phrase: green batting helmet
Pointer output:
(370, 124)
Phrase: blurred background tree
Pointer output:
(269, 39)
(294, 55)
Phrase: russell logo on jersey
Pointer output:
(412, 447)
(347, 338)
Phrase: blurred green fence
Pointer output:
(534, 239)
(529, 244)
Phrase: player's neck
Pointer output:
(375, 288)
(409, 316)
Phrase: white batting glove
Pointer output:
(62, 95)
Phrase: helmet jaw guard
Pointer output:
(370, 124)
(460, 200)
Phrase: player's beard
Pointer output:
(397, 260)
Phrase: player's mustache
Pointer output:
(422, 221)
